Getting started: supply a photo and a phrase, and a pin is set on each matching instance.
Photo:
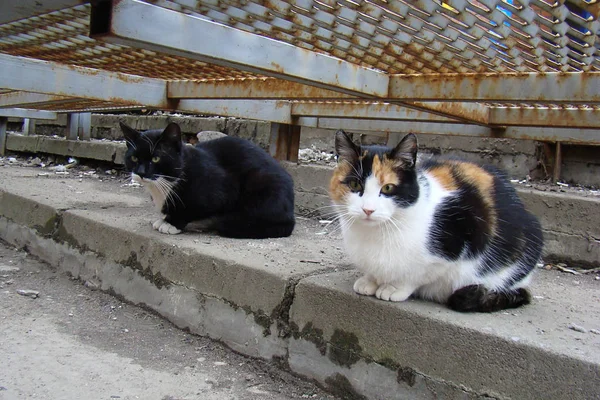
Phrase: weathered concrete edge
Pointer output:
(40, 229)
(417, 346)
(94, 150)
(569, 222)
(295, 341)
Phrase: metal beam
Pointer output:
(578, 136)
(142, 25)
(476, 113)
(24, 113)
(272, 88)
(19, 73)
(364, 111)
(573, 118)
(249, 88)
(387, 126)
(30, 100)
(265, 110)
(15, 10)
(550, 88)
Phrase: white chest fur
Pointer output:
(396, 251)
(160, 190)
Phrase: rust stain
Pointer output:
(277, 67)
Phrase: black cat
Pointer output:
(230, 182)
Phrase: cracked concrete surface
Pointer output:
(290, 300)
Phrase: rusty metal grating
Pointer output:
(498, 63)
(426, 36)
(392, 36)
(63, 36)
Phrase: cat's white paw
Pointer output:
(167, 228)
(365, 285)
(389, 292)
(156, 224)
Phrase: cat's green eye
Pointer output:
(134, 158)
(388, 189)
(355, 186)
(155, 159)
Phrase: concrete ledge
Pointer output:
(93, 150)
(473, 355)
(290, 300)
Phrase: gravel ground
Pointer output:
(62, 340)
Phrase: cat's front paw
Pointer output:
(165, 227)
(156, 224)
(365, 285)
(389, 292)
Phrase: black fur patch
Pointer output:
(460, 225)
(477, 298)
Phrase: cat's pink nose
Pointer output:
(368, 212)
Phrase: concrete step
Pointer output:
(290, 300)
(569, 216)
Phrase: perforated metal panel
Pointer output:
(397, 39)
(63, 37)
(427, 36)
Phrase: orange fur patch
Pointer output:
(338, 190)
(384, 171)
(484, 182)
(443, 174)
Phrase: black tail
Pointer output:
(242, 227)
(477, 298)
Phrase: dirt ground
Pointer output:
(71, 342)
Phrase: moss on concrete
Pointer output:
(340, 386)
(344, 348)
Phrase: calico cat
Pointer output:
(232, 183)
(448, 231)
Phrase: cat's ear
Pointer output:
(131, 135)
(345, 147)
(406, 151)
(172, 135)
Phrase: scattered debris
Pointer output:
(562, 184)
(91, 285)
(577, 328)
(37, 161)
(589, 271)
(316, 156)
(8, 268)
(219, 363)
(310, 261)
(59, 168)
(595, 331)
(34, 294)
(563, 267)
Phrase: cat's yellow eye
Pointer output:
(134, 158)
(155, 159)
(355, 186)
(388, 189)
